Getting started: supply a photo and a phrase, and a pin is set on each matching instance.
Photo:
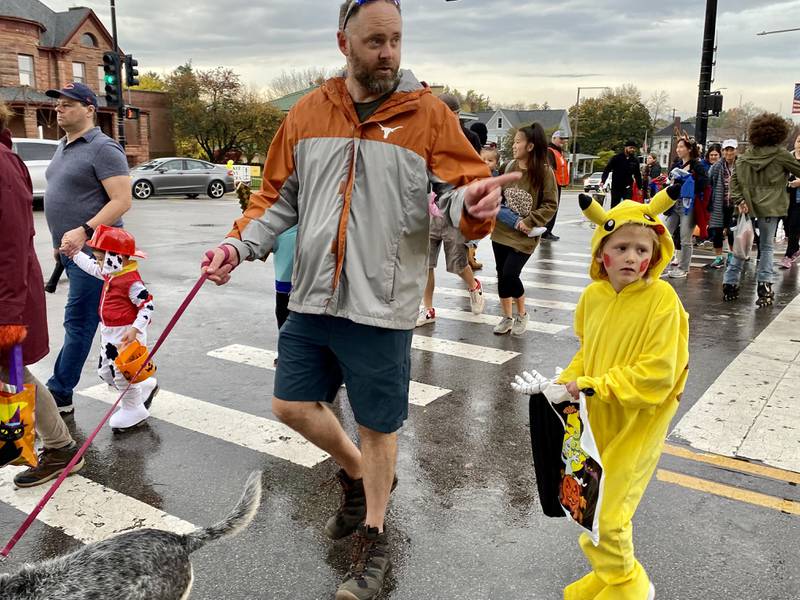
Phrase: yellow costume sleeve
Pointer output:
(651, 378)
(575, 367)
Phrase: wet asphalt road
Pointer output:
(465, 521)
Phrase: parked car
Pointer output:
(36, 154)
(592, 182)
(180, 176)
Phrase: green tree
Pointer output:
(610, 119)
(150, 82)
(213, 112)
(604, 156)
(472, 101)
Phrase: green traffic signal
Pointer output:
(110, 80)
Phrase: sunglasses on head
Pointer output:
(359, 3)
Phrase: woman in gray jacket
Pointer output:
(721, 210)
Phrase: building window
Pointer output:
(88, 40)
(499, 122)
(101, 80)
(26, 77)
(78, 72)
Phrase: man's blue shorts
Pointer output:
(319, 352)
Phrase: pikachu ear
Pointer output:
(592, 209)
(661, 202)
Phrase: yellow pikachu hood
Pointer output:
(626, 212)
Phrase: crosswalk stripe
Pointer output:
(540, 285)
(580, 254)
(462, 350)
(419, 394)
(243, 429)
(537, 302)
(462, 315)
(566, 263)
(534, 270)
(86, 510)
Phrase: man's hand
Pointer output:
(482, 198)
(130, 336)
(219, 262)
(743, 208)
(795, 183)
(73, 241)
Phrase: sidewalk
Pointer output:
(752, 410)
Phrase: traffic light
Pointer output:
(132, 113)
(113, 85)
(713, 103)
(131, 72)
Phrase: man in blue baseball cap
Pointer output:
(88, 184)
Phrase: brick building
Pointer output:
(42, 49)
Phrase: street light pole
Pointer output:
(121, 109)
(574, 170)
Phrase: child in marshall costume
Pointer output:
(126, 309)
(632, 367)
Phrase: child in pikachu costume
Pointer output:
(632, 365)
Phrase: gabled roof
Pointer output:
(669, 129)
(485, 115)
(548, 119)
(285, 103)
(57, 27)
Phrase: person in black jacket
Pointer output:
(625, 169)
(452, 103)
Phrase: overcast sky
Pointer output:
(512, 51)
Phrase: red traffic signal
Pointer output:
(132, 113)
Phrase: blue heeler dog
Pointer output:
(146, 564)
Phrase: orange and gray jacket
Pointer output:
(359, 195)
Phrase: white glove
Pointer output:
(530, 383)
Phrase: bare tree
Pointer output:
(295, 80)
(657, 104)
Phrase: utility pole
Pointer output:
(706, 68)
(573, 171)
(121, 107)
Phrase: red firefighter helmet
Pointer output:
(115, 239)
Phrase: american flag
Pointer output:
(796, 102)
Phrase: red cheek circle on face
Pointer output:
(645, 264)
(606, 260)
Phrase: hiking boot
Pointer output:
(52, 463)
(353, 509)
(520, 325)
(765, 294)
(425, 316)
(730, 292)
(476, 300)
(504, 326)
(369, 568)
(65, 406)
(717, 263)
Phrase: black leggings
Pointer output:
(509, 264)
(281, 308)
(791, 224)
(716, 234)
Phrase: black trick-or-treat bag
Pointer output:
(569, 472)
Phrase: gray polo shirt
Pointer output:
(74, 192)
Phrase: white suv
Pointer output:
(36, 154)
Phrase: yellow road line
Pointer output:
(726, 491)
(734, 464)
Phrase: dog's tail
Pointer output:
(235, 521)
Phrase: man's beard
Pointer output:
(379, 85)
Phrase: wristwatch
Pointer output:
(88, 230)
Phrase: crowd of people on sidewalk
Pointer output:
(389, 176)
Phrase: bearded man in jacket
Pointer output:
(351, 166)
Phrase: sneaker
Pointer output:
(537, 231)
(504, 326)
(427, 315)
(795, 256)
(675, 261)
(717, 263)
(353, 509)
(65, 406)
(476, 300)
(550, 237)
(678, 273)
(369, 568)
(520, 325)
(52, 463)
(786, 262)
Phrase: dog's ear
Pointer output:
(592, 209)
(661, 202)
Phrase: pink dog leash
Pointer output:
(79, 454)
